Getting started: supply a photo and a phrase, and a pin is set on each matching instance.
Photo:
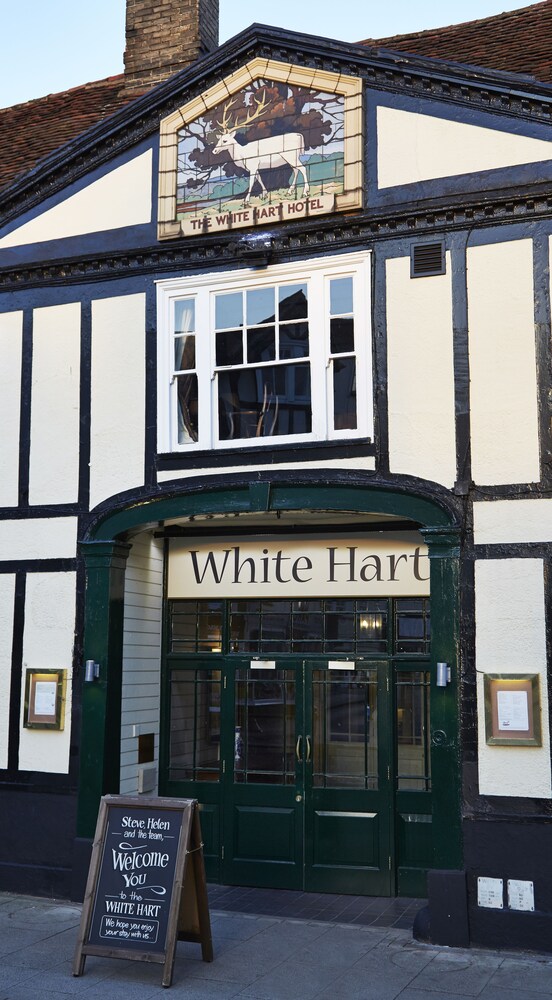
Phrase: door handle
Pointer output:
(308, 757)
(298, 749)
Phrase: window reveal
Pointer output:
(255, 359)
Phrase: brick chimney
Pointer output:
(165, 36)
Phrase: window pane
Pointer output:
(184, 316)
(187, 408)
(261, 345)
(195, 726)
(262, 402)
(341, 296)
(344, 390)
(345, 744)
(229, 347)
(184, 353)
(264, 742)
(260, 306)
(342, 336)
(292, 302)
(228, 310)
(413, 752)
(294, 341)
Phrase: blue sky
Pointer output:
(52, 45)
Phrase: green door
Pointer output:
(307, 800)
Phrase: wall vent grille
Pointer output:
(427, 259)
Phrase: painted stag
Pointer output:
(261, 154)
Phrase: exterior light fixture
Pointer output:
(443, 675)
(91, 671)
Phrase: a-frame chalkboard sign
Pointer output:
(146, 886)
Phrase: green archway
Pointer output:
(105, 551)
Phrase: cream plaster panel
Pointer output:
(510, 638)
(367, 463)
(512, 521)
(117, 396)
(38, 538)
(48, 638)
(54, 464)
(11, 337)
(503, 371)
(121, 198)
(420, 381)
(7, 592)
(414, 147)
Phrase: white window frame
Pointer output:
(202, 288)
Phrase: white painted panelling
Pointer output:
(48, 639)
(414, 147)
(7, 589)
(420, 373)
(118, 396)
(503, 373)
(11, 335)
(512, 521)
(510, 638)
(339, 463)
(141, 653)
(54, 465)
(122, 198)
(39, 538)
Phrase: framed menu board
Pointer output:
(512, 710)
(146, 884)
(44, 699)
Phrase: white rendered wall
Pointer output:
(510, 639)
(48, 639)
(39, 538)
(7, 592)
(121, 198)
(141, 654)
(420, 373)
(11, 336)
(414, 147)
(54, 462)
(503, 372)
(117, 434)
(511, 521)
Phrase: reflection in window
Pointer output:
(345, 741)
(264, 735)
(194, 748)
(413, 751)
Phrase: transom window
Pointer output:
(265, 358)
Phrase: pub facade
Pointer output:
(275, 492)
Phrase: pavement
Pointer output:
(260, 957)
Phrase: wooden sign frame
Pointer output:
(124, 924)
(525, 688)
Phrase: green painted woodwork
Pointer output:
(101, 699)
(105, 556)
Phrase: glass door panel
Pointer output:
(414, 841)
(344, 736)
(264, 732)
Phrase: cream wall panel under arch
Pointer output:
(117, 424)
(48, 638)
(11, 341)
(55, 425)
(414, 147)
(420, 366)
(123, 197)
(510, 629)
(503, 367)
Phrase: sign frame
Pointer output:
(188, 915)
(54, 684)
(526, 688)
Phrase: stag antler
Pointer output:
(252, 115)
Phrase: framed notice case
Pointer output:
(45, 699)
(512, 710)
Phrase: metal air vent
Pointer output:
(427, 259)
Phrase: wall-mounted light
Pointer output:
(443, 675)
(91, 671)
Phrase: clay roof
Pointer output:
(517, 41)
(35, 129)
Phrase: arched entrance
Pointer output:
(324, 776)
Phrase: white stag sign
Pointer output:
(272, 152)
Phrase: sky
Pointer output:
(52, 45)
